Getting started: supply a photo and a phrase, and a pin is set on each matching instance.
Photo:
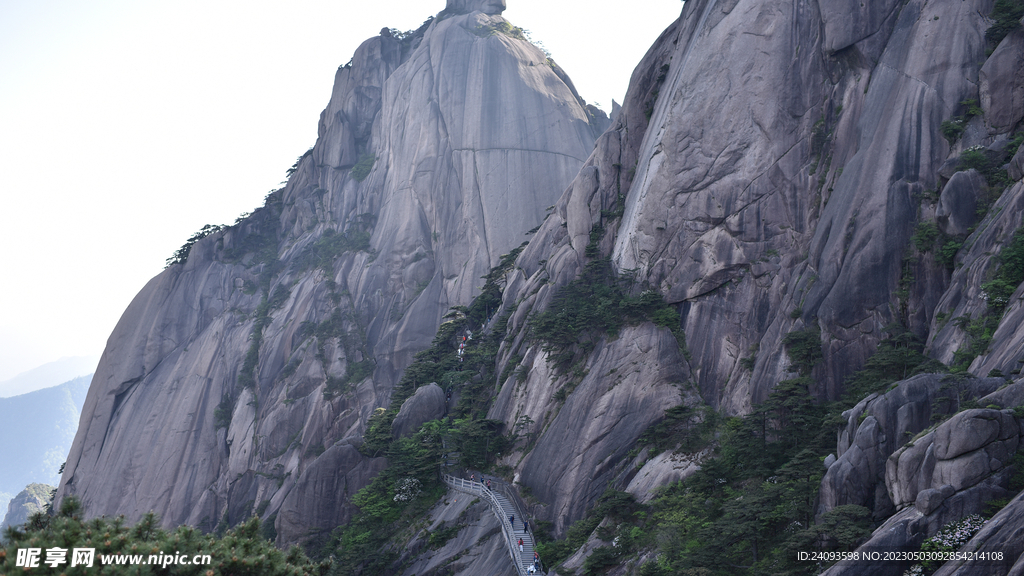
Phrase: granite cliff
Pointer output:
(829, 169)
(263, 351)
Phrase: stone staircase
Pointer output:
(502, 503)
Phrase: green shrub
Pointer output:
(804, 348)
(594, 305)
(925, 234)
(947, 253)
(362, 168)
(331, 244)
(181, 255)
(952, 129)
(1007, 15)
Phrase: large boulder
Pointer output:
(962, 452)
(1002, 83)
(428, 403)
(1016, 167)
(880, 425)
(958, 203)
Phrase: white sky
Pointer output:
(126, 125)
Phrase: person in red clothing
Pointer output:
(520, 544)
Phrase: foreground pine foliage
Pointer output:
(239, 551)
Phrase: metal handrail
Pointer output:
(478, 489)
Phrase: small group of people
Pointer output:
(462, 344)
(512, 521)
(533, 568)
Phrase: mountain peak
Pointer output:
(491, 7)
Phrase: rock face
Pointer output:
(1002, 83)
(958, 203)
(773, 168)
(758, 210)
(428, 403)
(959, 454)
(476, 547)
(945, 475)
(879, 426)
(34, 498)
(245, 375)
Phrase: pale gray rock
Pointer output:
(1007, 396)
(478, 547)
(928, 500)
(731, 178)
(661, 470)
(426, 404)
(907, 529)
(491, 7)
(465, 136)
(1000, 534)
(1002, 83)
(880, 425)
(628, 384)
(971, 430)
(958, 202)
(850, 21)
(829, 461)
(33, 499)
(960, 453)
(1016, 167)
(965, 297)
(311, 507)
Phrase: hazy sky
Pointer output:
(126, 125)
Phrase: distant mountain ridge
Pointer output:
(47, 375)
(37, 429)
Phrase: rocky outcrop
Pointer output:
(477, 545)
(427, 403)
(34, 498)
(943, 476)
(247, 373)
(1016, 166)
(627, 385)
(961, 453)
(880, 425)
(965, 297)
(1002, 83)
(760, 215)
(956, 212)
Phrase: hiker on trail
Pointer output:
(512, 521)
(520, 544)
(488, 484)
(526, 526)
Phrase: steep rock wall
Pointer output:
(765, 174)
(242, 379)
